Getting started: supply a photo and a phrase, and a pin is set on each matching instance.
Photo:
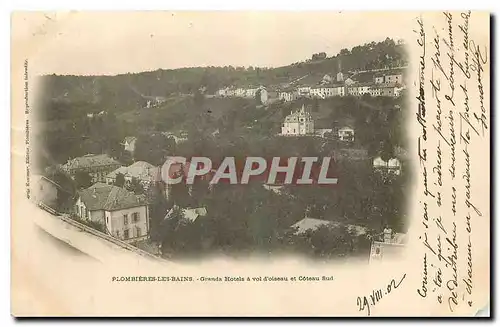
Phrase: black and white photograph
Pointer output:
(252, 153)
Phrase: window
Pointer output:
(117, 233)
(125, 219)
(135, 217)
(107, 220)
(138, 231)
(125, 234)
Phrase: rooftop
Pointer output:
(90, 160)
(190, 214)
(102, 196)
(141, 170)
(129, 139)
(313, 224)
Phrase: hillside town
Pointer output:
(104, 169)
(375, 83)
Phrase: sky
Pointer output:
(107, 43)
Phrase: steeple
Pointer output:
(302, 110)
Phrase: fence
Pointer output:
(85, 228)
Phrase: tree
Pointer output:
(119, 180)
(154, 148)
(258, 98)
(199, 99)
(83, 180)
(158, 208)
(315, 105)
(136, 186)
(386, 150)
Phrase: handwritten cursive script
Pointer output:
(364, 303)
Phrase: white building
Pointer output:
(142, 171)
(349, 81)
(129, 144)
(304, 91)
(321, 132)
(252, 93)
(379, 79)
(326, 79)
(340, 77)
(312, 224)
(288, 95)
(346, 134)
(327, 91)
(390, 246)
(189, 214)
(359, 89)
(240, 92)
(392, 166)
(124, 214)
(394, 78)
(298, 123)
(225, 92)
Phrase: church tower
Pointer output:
(340, 75)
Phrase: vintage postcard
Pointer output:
(291, 164)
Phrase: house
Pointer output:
(124, 214)
(321, 132)
(394, 78)
(391, 90)
(327, 91)
(349, 81)
(225, 92)
(179, 137)
(277, 189)
(144, 172)
(326, 79)
(298, 123)
(379, 79)
(240, 92)
(340, 77)
(288, 95)
(312, 224)
(346, 134)
(304, 91)
(154, 101)
(391, 245)
(376, 90)
(189, 214)
(388, 90)
(129, 144)
(96, 165)
(392, 166)
(43, 190)
(264, 96)
(359, 89)
(252, 93)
